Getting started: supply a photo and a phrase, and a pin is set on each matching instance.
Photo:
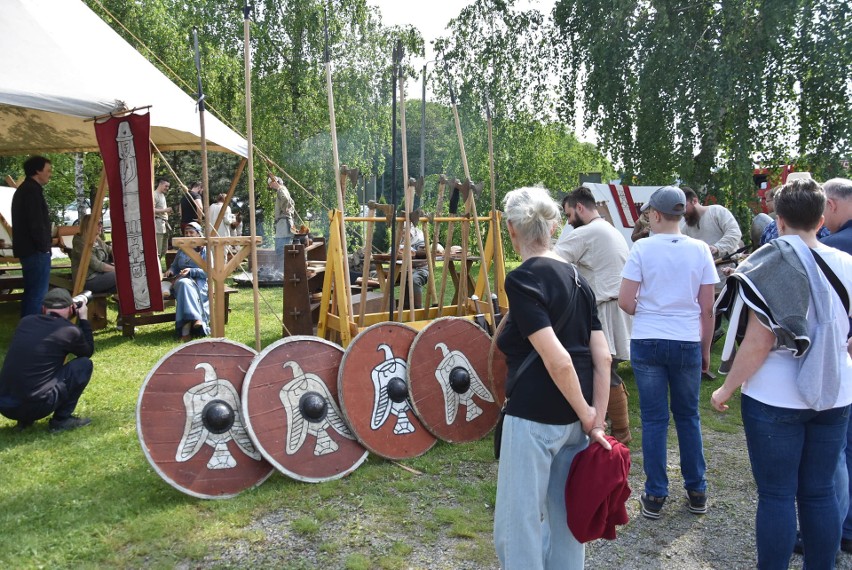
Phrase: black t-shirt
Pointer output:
(37, 352)
(539, 291)
(187, 207)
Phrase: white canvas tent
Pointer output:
(62, 64)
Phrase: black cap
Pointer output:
(57, 298)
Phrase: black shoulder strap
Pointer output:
(533, 355)
(833, 279)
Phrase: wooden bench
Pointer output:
(8, 284)
(128, 323)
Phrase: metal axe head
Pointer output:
(386, 209)
(415, 215)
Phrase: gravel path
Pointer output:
(721, 539)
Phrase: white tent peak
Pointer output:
(62, 65)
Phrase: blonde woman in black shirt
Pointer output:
(557, 403)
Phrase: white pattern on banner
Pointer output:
(132, 216)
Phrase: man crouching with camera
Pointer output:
(34, 380)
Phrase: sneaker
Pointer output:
(69, 423)
(651, 506)
(846, 545)
(697, 502)
(21, 426)
(799, 546)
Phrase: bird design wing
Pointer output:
(297, 426)
(194, 432)
(476, 384)
(381, 399)
(451, 399)
(334, 417)
(238, 431)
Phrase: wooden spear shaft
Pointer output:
(252, 221)
(336, 165)
(408, 267)
(472, 209)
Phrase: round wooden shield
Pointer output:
(292, 412)
(497, 368)
(373, 390)
(448, 380)
(190, 422)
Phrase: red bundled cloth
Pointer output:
(596, 491)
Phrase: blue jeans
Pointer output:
(36, 272)
(846, 459)
(663, 368)
(794, 456)
(530, 521)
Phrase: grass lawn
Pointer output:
(88, 498)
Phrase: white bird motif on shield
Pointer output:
(298, 426)
(204, 425)
(453, 398)
(391, 370)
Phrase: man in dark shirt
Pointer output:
(191, 208)
(34, 380)
(838, 220)
(31, 232)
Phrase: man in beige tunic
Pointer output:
(599, 251)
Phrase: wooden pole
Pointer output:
(336, 166)
(252, 221)
(217, 325)
(408, 266)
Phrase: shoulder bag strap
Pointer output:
(532, 356)
(833, 279)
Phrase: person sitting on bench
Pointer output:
(100, 276)
(192, 309)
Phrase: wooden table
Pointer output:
(382, 261)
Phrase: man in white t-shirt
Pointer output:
(161, 216)
(668, 288)
(599, 252)
(715, 225)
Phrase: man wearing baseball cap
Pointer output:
(667, 285)
(35, 381)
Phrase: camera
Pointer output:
(82, 299)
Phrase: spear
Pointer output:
(470, 207)
(397, 55)
(407, 267)
(333, 125)
(252, 222)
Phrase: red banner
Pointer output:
(124, 144)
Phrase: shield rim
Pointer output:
(413, 405)
(346, 414)
(141, 438)
(500, 395)
(250, 429)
